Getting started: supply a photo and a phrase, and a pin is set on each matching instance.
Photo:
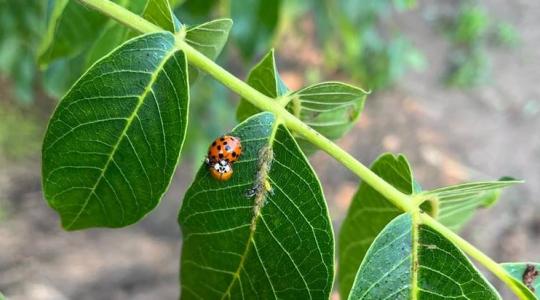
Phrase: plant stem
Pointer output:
(122, 15)
(263, 102)
(481, 257)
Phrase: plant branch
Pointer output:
(260, 100)
(263, 102)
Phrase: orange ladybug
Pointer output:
(227, 148)
(223, 152)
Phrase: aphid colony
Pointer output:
(222, 154)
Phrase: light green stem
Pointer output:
(265, 103)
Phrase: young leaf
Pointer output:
(331, 108)
(209, 38)
(265, 233)
(115, 33)
(458, 203)
(159, 12)
(256, 22)
(265, 78)
(526, 276)
(64, 69)
(61, 39)
(114, 140)
(408, 260)
(367, 216)
(62, 73)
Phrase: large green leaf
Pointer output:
(457, 204)
(526, 276)
(72, 28)
(255, 23)
(413, 261)
(264, 234)
(369, 213)
(114, 140)
(331, 108)
(265, 78)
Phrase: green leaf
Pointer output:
(2, 297)
(159, 12)
(369, 213)
(61, 74)
(62, 40)
(278, 243)
(255, 23)
(526, 276)
(209, 39)
(112, 36)
(115, 33)
(265, 78)
(22, 27)
(113, 143)
(196, 11)
(458, 203)
(408, 260)
(331, 108)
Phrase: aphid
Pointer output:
(222, 153)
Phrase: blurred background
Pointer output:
(455, 88)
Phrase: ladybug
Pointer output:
(223, 152)
(227, 148)
(221, 170)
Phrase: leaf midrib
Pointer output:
(123, 134)
(253, 227)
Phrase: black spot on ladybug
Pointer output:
(234, 154)
(225, 143)
(213, 157)
(222, 139)
(219, 147)
(214, 143)
(221, 155)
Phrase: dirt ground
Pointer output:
(448, 135)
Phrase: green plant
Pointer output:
(470, 31)
(21, 29)
(115, 139)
